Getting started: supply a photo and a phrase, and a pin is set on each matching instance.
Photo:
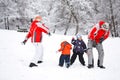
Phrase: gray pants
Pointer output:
(100, 50)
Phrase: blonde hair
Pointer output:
(38, 18)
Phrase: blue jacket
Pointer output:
(79, 45)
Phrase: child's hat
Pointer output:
(78, 35)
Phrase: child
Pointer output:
(79, 49)
(65, 56)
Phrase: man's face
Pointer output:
(105, 26)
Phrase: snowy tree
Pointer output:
(61, 16)
(7, 9)
(71, 14)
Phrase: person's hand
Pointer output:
(85, 50)
(57, 51)
(49, 34)
(24, 42)
(101, 40)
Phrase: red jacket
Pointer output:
(65, 48)
(35, 32)
(97, 32)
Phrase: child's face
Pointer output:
(80, 38)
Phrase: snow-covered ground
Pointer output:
(15, 58)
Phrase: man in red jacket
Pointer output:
(96, 36)
(35, 32)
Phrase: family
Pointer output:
(96, 36)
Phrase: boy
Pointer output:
(65, 56)
(79, 49)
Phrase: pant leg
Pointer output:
(81, 59)
(38, 52)
(67, 60)
(61, 60)
(90, 52)
(100, 50)
(73, 57)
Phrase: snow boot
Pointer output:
(60, 65)
(33, 65)
(83, 64)
(39, 61)
(68, 65)
(102, 67)
(90, 66)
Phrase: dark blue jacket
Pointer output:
(79, 45)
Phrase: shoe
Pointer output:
(90, 66)
(39, 61)
(68, 65)
(102, 67)
(71, 63)
(33, 65)
(83, 64)
(60, 65)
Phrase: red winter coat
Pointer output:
(35, 32)
(97, 32)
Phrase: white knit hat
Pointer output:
(78, 35)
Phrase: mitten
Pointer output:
(85, 50)
(49, 34)
(101, 40)
(24, 42)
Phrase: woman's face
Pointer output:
(38, 18)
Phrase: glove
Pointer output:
(24, 42)
(94, 44)
(101, 40)
(49, 34)
(86, 50)
(57, 51)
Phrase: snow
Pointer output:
(15, 59)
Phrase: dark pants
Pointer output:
(74, 56)
(65, 58)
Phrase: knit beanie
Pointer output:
(78, 36)
(101, 23)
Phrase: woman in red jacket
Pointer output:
(96, 36)
(35, 32)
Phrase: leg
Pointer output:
(67, 61)
(81, 59)
(100, 50)
(61, 60)
(73, 57)
(36, 56)
(38, 53)
(90, 53)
